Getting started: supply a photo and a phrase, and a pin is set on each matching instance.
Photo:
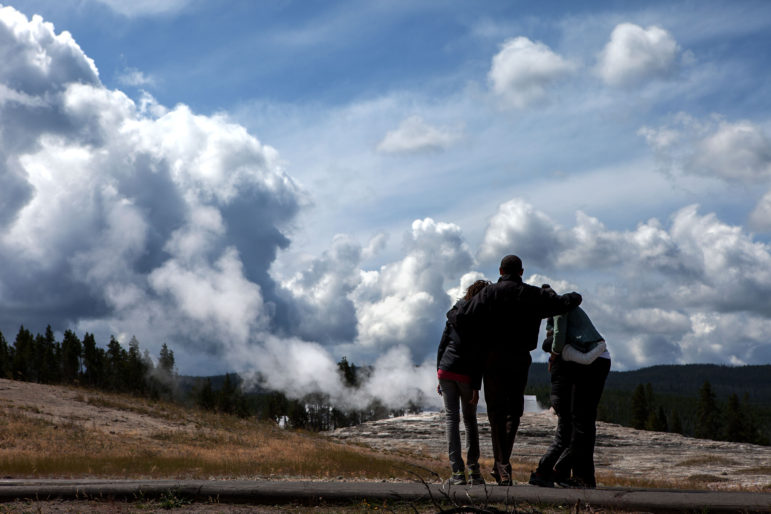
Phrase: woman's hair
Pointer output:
(475, 288)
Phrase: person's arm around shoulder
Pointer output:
(553, 303)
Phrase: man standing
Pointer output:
(507, 317)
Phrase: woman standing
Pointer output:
(459, 369)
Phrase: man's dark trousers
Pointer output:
(505, 379)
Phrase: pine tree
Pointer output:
(225, 397)
(166, 360)
(136, 368)
(117, 360)
(70, 357)
(640, 408)
(23, 356)
(661, 421)
(735, 421)
(230, 398)
(756, 433)
(676, 425)
(707, 414)
(94, 362)
(277, 406)
(205, 397)
(45, 362)
(347, 372)
(6, 358)
(297, 414)
(654, 420)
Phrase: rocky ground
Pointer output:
(622, 451)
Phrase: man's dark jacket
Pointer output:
(507, 315)
(459, 355)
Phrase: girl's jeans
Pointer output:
(458, 393)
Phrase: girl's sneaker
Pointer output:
(475, 478)
(458, 478)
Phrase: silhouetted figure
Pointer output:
(507, 316)
(579, 365)
(459, 370)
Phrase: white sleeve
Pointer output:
(570, 353)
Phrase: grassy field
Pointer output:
(200, 445)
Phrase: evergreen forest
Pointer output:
(729, 403)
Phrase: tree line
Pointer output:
(41, 358)
(707, 418)
(704, 416)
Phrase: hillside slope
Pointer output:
(56, 431)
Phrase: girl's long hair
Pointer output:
(474, 288)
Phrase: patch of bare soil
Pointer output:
(659, 457)
(90, 409)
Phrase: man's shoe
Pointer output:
(458, 478)
(500, 479)
(475, 478)
(540, 480)
(574, 483)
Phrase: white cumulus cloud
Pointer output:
(404, 302)
(127, 219)
(518, 228)
(760, 217)
(655, 281)
(523, 70)
(736, 152)
(635, 54)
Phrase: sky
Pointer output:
(267, 187)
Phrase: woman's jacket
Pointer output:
(463, 357)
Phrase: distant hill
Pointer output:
(685, 380)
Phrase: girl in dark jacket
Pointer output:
(459, 369)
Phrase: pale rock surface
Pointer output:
(625, 452)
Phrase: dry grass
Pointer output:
(205, 445)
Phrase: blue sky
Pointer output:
(268, 186)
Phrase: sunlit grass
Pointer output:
(205, 445)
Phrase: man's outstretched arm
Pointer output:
(553, 304)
